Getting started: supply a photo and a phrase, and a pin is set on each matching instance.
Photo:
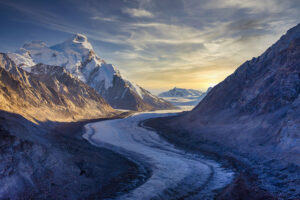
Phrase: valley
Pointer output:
(175, 174)
(202, 101)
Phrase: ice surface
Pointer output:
(175, 173)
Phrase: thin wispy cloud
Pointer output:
(103, 19)
(133, 12)
(149, 38)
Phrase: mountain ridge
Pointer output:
(56, 95)
(251, 119)
(257, 106)
(180, 92)
(77, 55)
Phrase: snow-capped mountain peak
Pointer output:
(34, 45)
(180, 92)
(77, 56)
(81, 39)
(77, 42)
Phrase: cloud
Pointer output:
(172, 42)
(139, 13)
(103, 19)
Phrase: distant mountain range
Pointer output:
(184, 98)
(180, 92)
(77, 56)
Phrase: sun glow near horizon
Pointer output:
(199, 78)
(157, 44)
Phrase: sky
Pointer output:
(158, 44)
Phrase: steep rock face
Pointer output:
(263, 84)
(257, 107)
(125, 95)
(48, 93)
(77, 56)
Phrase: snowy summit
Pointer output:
(77, 55)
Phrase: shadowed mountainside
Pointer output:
(258, 105)
(252, 116)
(52, 161)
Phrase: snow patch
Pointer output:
(137, 90)
(107, 73)
(23, 60)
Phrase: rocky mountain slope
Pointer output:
(48, 93)
(255, 114)
(250, 122)
(77, 56)
(51, 160)
(265, 89)
(43, 155)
